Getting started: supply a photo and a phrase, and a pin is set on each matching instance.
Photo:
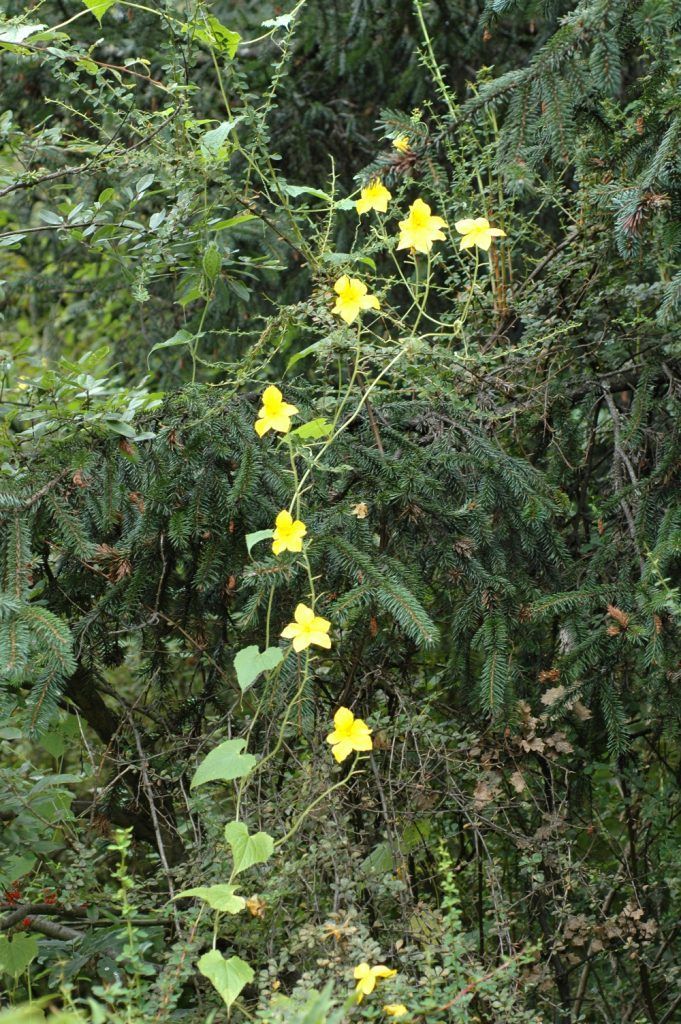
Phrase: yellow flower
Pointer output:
(275, 413)
(395, 1010)
(374, 196)
(366, 976)
(352, 297)
(420, 229)
(350, 734)
(288, 533)
(307, 629)
(477, 232)
(401, 143)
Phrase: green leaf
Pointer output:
(99, 7)
(61, 736)
(212, 143)
(255, 538)
(219, 897)
(247, 850)
(212, 261)
(17, 953)
(15, 867)
(13, 34)
(180, 338)
(224, 763)
(232, 222)
(249, 663)
(303, 190)
(229, 977)
(214, 34)
(313, 430)
(305, 352)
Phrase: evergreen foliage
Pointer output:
(489, 477)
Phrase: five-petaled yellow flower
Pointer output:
(307, 629)
(401, 143)
(288, 533)
(395, 1010)
(275, 413)
(477, 232)
(352, 298)
(374, 196)
(421, 228)
(366, 978)
(350, 734)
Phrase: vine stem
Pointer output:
(315, 803)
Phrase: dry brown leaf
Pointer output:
(553, 695)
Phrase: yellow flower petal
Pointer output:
(374, 196)
(421, 228)
(303, 614)
(343, 718)
(381, 971)
(342, 750)
(319, 639)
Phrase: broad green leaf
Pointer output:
(117, 426)
(99, 7)
(214, 34)
(144, 183)
(303, 190)
(255, 538)
(219, 897)
(313, 430)
(17, 953)
(232, 222)
(60, 736)
(229, 977)
(15, 867)
(224, 763)
(305, 352)
(379, 861)
(212, 143)
(180, 338)
(247, 850)
(10, 35)
(250, 662)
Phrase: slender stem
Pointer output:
(315, 803)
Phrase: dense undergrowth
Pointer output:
(339, 619)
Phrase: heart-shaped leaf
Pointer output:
(247, 850)
(219, 897)
(224, 763)
(99, 7)
(228, 976)
(250, 662)
(255, 538)
(17, 953)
